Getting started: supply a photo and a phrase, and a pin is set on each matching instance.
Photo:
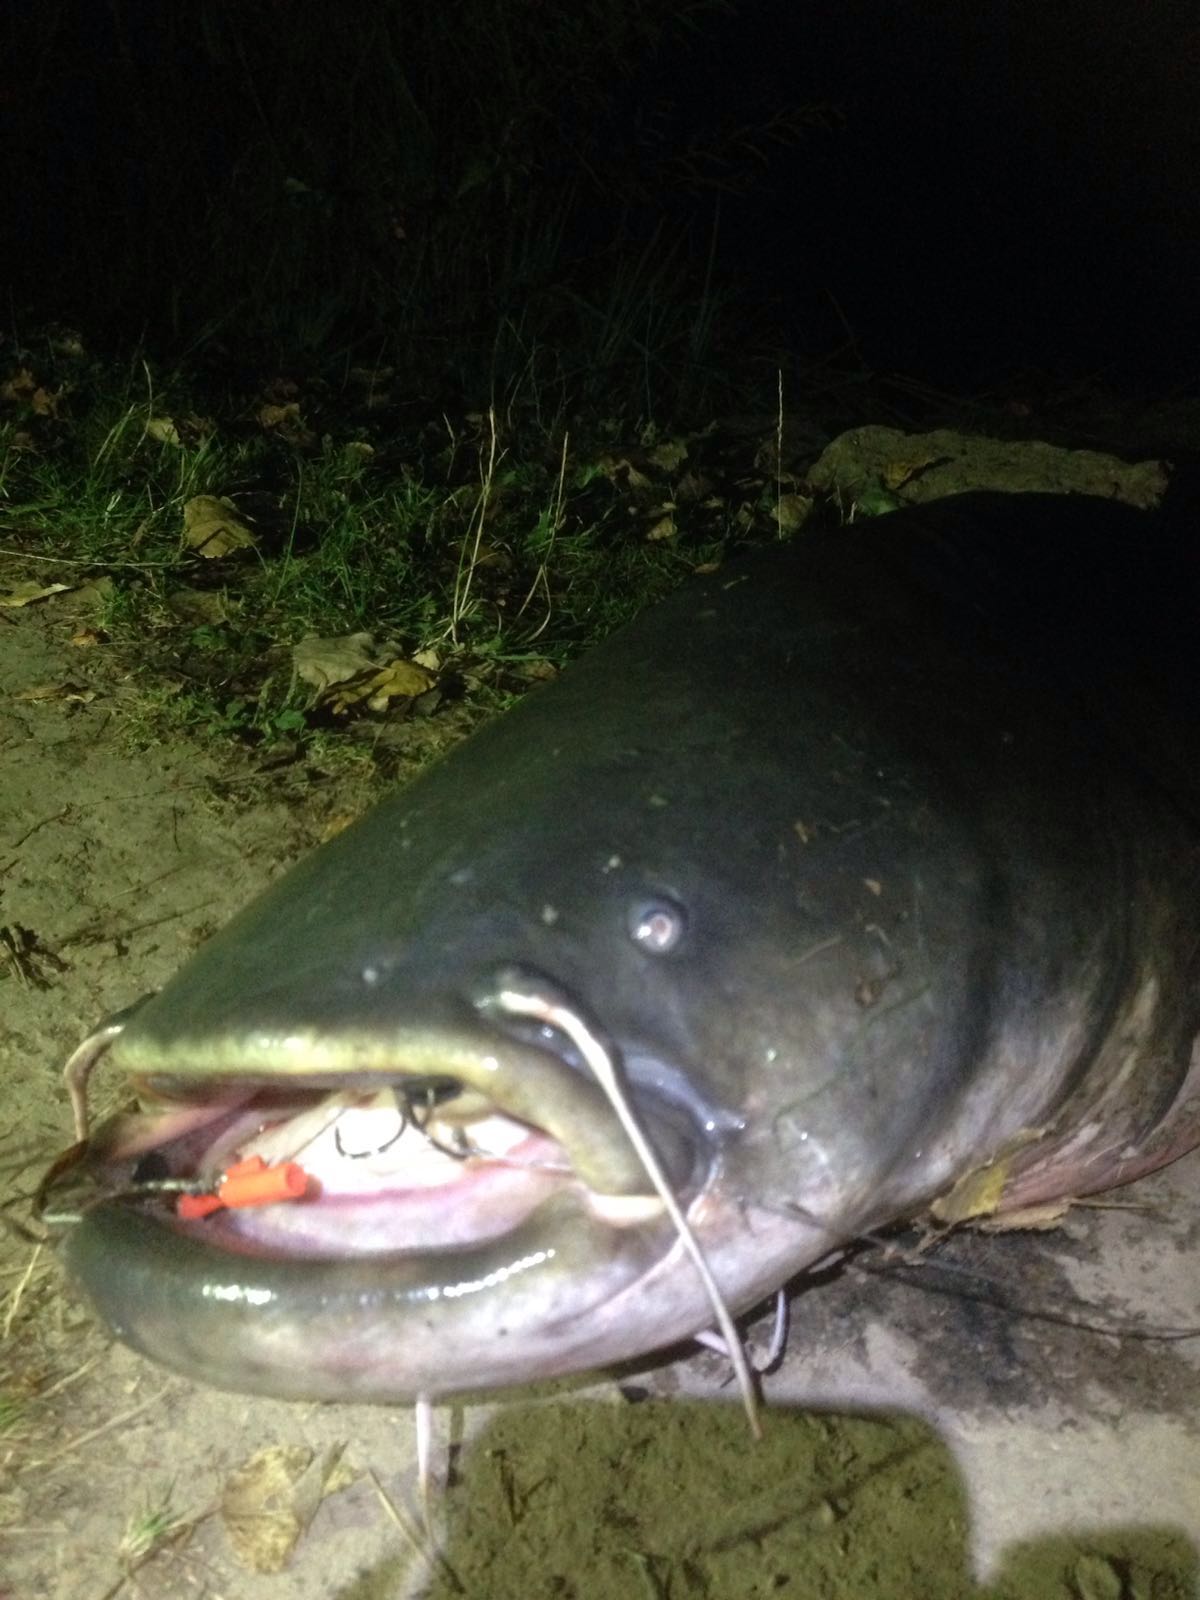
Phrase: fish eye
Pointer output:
(656, 925)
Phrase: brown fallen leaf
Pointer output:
(268, 1502)
(212, 527)
(324, 662)
(286, 421)
(397, 680)
(198, 606)
(1029, 1219)
(693, 487)
(622, 471)
(93, 593)
(24, 389)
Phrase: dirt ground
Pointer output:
(119, 1479)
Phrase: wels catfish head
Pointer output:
(774, 859)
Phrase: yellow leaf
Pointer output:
(668, 455)
(24, 594)
(275, 416)
(896, 473)
(978, 1193)
(163, 429)
(213, 528)
(285, 420)
(398, 680)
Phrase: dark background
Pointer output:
(961, 189)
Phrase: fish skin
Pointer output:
(925, 794)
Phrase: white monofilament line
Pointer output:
(544, 1008)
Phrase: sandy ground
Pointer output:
(929, 1439)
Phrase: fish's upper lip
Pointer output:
(529, 1082)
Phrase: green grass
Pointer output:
(497, 544)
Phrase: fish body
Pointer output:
(870, 863)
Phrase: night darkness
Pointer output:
(963, 191)
(362, 363)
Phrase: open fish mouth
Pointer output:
(271, 1184)
(424, 1163)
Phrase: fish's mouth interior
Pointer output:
(413, 1165)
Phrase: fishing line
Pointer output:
(521, 997)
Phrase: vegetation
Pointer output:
(412, 327)
(492, 196)
(277, 564)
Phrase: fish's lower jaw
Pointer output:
(379, 1328)
(566, 1292)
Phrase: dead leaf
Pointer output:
(670, 454)
(895, 474)
(274, 416)
(198, 606)
(268, 1503)
(323, 662)
(1036, 1219)
(43, 692)
(212, 527)
(692, 486)
(623, 472)
(664, 528)
(23, 389)
(398, 680)
(538, 671)
(286, 421)
(978, 1193)
(792, 511)
(163, 430)
(94, 593)
(25, 594)
(67, 342)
